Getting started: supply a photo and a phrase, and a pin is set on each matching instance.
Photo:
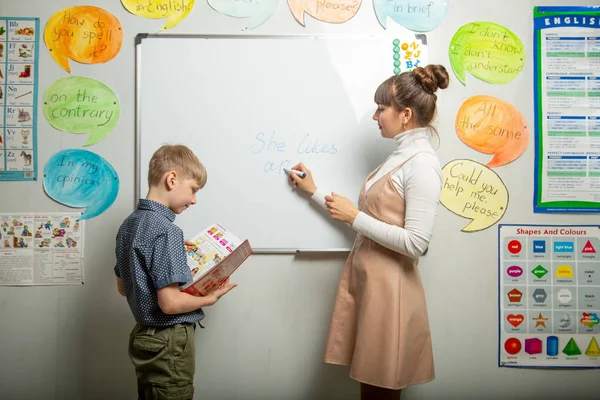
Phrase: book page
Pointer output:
(210, 247)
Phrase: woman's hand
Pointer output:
(306, 184)
(341, 208)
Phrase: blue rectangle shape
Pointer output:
(564, 247)
(539, 246)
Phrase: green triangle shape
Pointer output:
(571, 348)
(539, 271)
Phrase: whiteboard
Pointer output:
(249, 106)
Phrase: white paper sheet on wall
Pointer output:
(41, 249)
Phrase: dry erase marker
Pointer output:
(299, 173)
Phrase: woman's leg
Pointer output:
(369, 392)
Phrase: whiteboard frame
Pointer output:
(138, 108)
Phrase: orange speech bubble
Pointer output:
(492, 126)
(86, 34)
(334, 11)
(173, 10)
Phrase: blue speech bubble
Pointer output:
(259, 11)
(416, 15)
(81, 179)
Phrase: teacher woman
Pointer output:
(379, 325)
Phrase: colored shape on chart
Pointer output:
(539, 271)
(173, 10)
(514, 246)
(589, 319)
(564, 247)
(333, 11)
(472, 190)
(515, 320)
(533, 346)
(593, 350)
(416, 15)
(571, 348)
(488, 51)
(514, 296)
(540, 321)
(539, 295)
(86, 34)
(514, 271)
(566, 321)
(82, 179)
(588, 248)
(77, 104)
(492, 126)
(564, 271)
(552, 346)
(564, 296)
(257, 12)
(539, 246)
(512, 345)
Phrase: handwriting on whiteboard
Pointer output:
(307, 144)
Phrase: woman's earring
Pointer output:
(404, 126)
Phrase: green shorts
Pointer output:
(164, 360)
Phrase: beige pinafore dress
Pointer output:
(379, 325)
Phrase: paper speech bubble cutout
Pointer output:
(488, 51)
(333, 11)
(416, 15)
(258, 11)
(82, 179)
(492, 126)
(173, 10)
(472, 190)
(85, 34)
(77, 104)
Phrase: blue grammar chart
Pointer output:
(549, 296)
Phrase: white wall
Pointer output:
(265, 340)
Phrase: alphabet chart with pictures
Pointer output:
(19, 39)
(549, 296)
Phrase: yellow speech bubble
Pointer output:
(473, 191)
(86, 34)
(332, 11)
(173, 10)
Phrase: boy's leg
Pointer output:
(164, 360)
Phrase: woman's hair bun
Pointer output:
(432, 77)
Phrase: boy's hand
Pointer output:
(225, 282)
(214, 296)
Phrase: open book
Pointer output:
(215, 255)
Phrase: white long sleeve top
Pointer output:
(419, 182)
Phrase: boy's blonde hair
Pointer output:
(176, 158)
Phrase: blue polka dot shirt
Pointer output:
(151, 255)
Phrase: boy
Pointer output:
(151, 264)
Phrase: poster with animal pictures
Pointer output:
(19, 39)
(41, 249)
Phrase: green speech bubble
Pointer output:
(488, 51)
(77, 104)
